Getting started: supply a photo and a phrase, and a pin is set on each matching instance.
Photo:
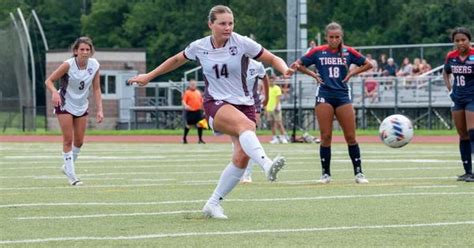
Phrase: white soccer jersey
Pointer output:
(75, 86)
(225, 69)
(255, 72)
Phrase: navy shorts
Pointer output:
(335, 102)
(462, 104)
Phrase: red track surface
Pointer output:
(208, 139)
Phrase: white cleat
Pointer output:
(360, 178)
(73, 180)
(275, 141)
(277, 165)
(324, 179)
(214, 211)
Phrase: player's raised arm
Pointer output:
(169, 65)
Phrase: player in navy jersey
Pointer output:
(333, 97)
(70, 103)
(228, 100)
(460, 64)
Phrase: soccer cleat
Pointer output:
(277, 164)
(284, 141)
(469, 179)
(201, 142)
(464, 177)
(73, 180)
(275, 141)
(325, 179)
(214, 211)
(360, 178)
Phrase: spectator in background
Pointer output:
(417, 67)
(274, 115)
(382, 63)
(192, 102)
(370, 89)
(406, 69)
(78, 74)
(311, 45)
(374, 63)
(391, 68)
(426, 67)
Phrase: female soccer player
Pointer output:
(228, 101)
(333, 97)
(70, 103)
(460, 64)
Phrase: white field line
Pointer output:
(216, 163)
(246, 232)
(83, 175)
(314, 198)
(213, 182)
(106, 215)
(434, 186)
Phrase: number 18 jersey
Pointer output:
(224, 69)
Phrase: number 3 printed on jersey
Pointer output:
(81, 85)
(222, 72)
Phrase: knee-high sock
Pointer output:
(252, 147)
(230, 177)
(465, 147)
(186, 131)
(354, 153)
(200, 133)
(75, 152)
(69, 163)
(325, 156)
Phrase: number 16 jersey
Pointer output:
(224, 69)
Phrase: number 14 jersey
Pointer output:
(224, 69)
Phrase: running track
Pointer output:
(208, 139)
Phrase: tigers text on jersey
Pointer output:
(332, 66)
(75, 85)
(225, 69)
(463, 72)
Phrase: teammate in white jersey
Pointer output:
(228, 102)
(255, 73)
(70, 102)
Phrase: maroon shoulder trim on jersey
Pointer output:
(186, 57)
(452, 54)
(259, 54)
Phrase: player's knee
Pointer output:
(326, 138)
(350, 139)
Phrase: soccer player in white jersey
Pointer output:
(228, 102)
(71, 103)
(255, 73)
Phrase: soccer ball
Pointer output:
(396, 131)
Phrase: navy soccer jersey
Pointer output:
(463, 72)
(332, 66)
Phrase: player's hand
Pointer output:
(100, 116)
(56, 99)
(288, 73)
(141, 80)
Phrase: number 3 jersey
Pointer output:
(463, 72)
(224, 69)
(332, 66)
(74, 90)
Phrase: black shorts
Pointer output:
(193, 117)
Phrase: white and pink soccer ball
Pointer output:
(396, 131)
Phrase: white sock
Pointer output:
(252, 147)
(69, 163)
(75, 152)
(230, 177)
